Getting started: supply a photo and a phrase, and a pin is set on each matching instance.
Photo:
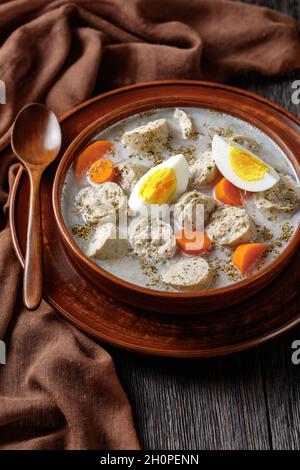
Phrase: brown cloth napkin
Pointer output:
(59, 388)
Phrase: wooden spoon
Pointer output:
(36, 141)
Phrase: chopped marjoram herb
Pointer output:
(195, 135)
(119, 135)
(247, 142)
(221, 131)
(147, 114)
(151, 271)
(82, 231)
(265, 233)
(189, 152)
(156, 158)
(226, 267)
(286, 233)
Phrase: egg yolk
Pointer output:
(246, 166)
(159, 187)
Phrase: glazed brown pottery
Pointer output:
(227, 101)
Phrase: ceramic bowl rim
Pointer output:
(85, 136)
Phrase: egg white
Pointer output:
(220, 151)
(180, 166)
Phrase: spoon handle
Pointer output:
(33, 271)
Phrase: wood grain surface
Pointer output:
(247, 401)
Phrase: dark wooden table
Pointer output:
(249, 400)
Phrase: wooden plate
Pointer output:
(272, 311)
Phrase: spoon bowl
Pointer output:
(36, 136)
(36, 141)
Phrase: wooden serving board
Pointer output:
(269, 313)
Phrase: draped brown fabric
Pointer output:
(59, 388)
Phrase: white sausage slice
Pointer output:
(231, 226)
(129, 174)
(106, 244)
(192, 273)
(193, 209)
(283, 197)
(152, 239)
(102, 203)
(148, 138)
(185, 122)
(203, 172)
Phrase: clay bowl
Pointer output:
(229, 102)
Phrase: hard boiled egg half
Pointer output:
(241, 167)
(162, 184)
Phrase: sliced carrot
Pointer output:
(100, 171)
(227, 193)
(90, 154)
(193, 242)
(247, 255)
